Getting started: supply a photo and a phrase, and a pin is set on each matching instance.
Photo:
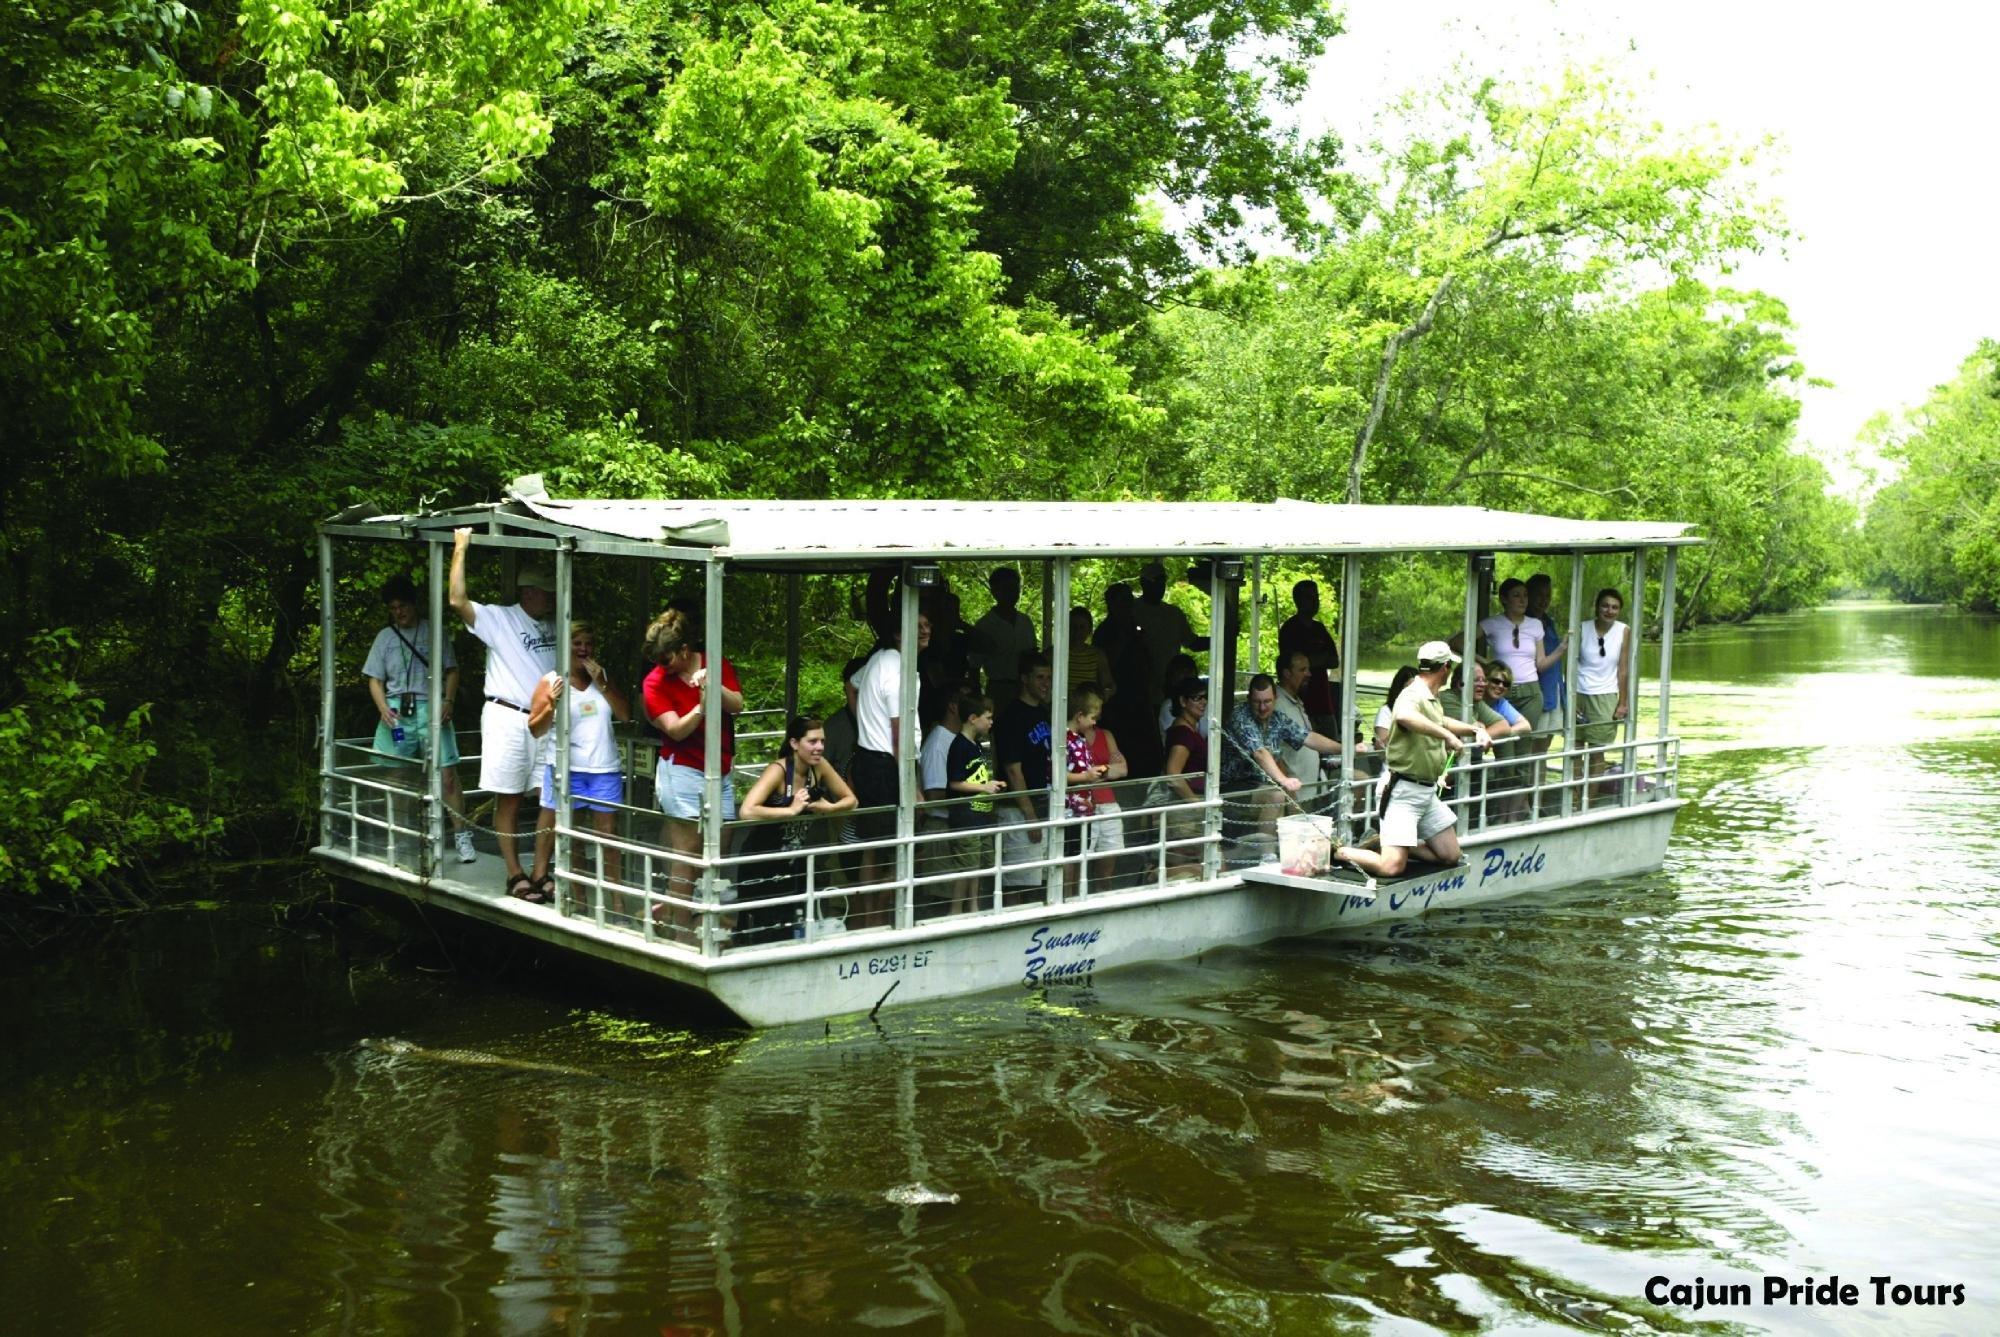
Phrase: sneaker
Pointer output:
(466, 854)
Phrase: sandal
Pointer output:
(520, 885)
(544, 892)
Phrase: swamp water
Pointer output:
(1780, 1054)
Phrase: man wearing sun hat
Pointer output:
(520, 641)
(1410, 815)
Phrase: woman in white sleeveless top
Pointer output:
(1604, 655)
(596, 772)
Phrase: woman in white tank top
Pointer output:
(596, 771)
(1603, 661)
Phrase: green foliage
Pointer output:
(1108, 106)
(1933, 534)
(79, 813)
(272, 258)
(1479, 333)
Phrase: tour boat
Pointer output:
(786, 937)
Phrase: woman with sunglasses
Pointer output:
(1602, 678)
(1505, 806)
(1516, 641)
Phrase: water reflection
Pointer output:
(1778, 1054)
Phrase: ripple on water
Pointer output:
(1781, 1052)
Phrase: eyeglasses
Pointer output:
(1517, 638)
(1600, 647)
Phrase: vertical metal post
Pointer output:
(1219, 698)
(1574, 766)
(1059, 685)
(434, 825)
(791, 646)
(1350, 644)
(1257, 615)
(907, 746)
(1048, 606)
(565, 610)
(1668, 563)
(1461, 783)
(711, 758)
(1628, 756)
(327, 723)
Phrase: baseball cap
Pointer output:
(1434, 653)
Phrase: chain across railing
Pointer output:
(380, 809)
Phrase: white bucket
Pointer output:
(1305, 845)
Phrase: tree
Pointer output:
(1933, 533)
(1569, 176)
(1112, 107)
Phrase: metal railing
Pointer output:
(632, 879)
(1491, 792)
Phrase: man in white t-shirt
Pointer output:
(520, 640)
(933, 777)
(877, 778)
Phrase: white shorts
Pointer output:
(1106, 832)
(1415, 814)
(679, 791)
(509, 756)
(1020, 846)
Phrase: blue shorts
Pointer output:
(593, 791)
(679, 791)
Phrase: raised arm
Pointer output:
(542, 706)
(1120, 768)
(678, 726)
(461, 603)
(732, 697)
(621, 705)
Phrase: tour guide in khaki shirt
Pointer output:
(1421, 741)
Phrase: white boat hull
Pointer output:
(1065, 946)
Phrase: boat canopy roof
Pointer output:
(787, 533)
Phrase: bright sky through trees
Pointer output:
(1885, 165)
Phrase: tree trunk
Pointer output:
(1409, 334)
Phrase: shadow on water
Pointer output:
(1778, 1053)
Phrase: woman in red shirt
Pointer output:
(672, 695)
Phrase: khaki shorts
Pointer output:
(969, 853)
(1527, 698)
(1414, 814)
(1594, 725)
